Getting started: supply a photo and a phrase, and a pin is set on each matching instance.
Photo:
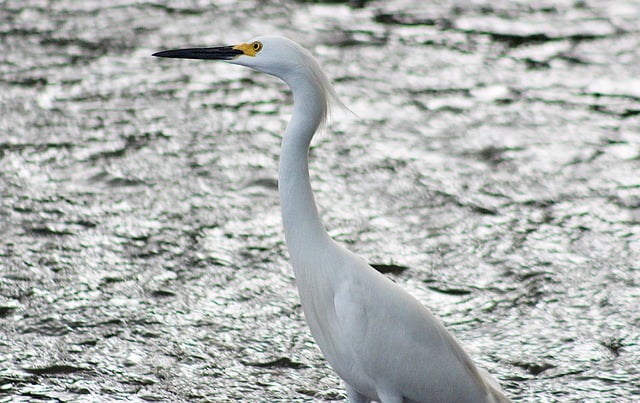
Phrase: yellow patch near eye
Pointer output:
(249, 49)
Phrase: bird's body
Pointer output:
(381, 341)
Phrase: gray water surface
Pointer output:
(493, 153)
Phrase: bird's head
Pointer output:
(273, 55)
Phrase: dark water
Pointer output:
(494, 151)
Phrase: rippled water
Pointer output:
(494, 152)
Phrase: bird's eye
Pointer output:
(256, 46)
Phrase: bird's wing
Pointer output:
(389, 334)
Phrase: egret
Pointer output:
(382, 342)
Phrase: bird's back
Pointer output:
(382, 340)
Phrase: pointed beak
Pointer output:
(217, 53)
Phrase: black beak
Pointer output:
(217, 53)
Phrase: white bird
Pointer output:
(382, 342)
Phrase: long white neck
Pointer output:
(302, 225)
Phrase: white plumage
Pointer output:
(381, 341)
